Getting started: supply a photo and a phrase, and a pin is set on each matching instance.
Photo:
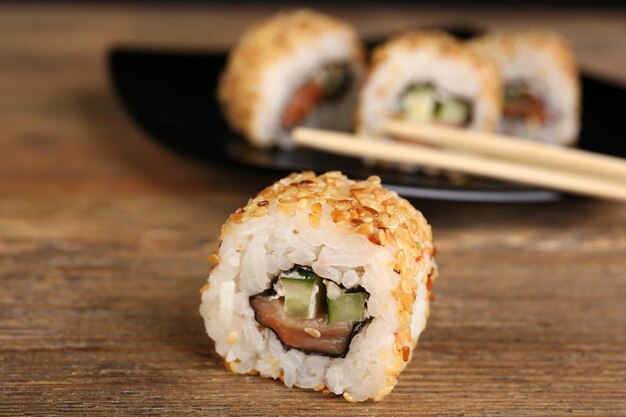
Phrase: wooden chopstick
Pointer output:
(348, 144)
(511, 148)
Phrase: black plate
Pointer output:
(171, 94)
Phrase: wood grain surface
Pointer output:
(104, 237)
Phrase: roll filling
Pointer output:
(426, 103)
(310, 313)
(428, 77)
(523, 104)
(330, 83)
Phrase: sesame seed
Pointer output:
(348, 397)
(382, 237)
(356, 222)
(205, 287)
(258, 212)
(316, 208)
(370, 210)
(319, 387)
(214, 258)
(287, 209)
(314, 220)
(312, 332)
(365, 229)
(406, 353)
(373, 238)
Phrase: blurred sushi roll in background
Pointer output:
(429, 77)
(322, 282)
(299, 67)
(541, 92)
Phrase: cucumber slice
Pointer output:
(418, 104)
(452, 112)
(303, 292)
(346, 307)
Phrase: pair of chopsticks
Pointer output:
(484, 154)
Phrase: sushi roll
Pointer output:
(541, 97)
(299, 67)
(322, 282)
(429, 77)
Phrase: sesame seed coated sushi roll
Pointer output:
(299, 67)
(322, 282)
(541, 85)
(429, 77)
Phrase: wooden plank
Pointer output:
(104, 237)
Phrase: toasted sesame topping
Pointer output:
(348, 397)
(365, 229)
(370, 210)
(312, 332)
(214, 258)
(205, 287)
(373, 238)
(287, 209)
(406, 353)
(258, 212)
(316, 208)
(319, 387)
(356, 222)
(314, 220)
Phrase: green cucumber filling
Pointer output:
(423, 103)
(310, 313)
(306, 296)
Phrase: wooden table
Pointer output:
(104, 237)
